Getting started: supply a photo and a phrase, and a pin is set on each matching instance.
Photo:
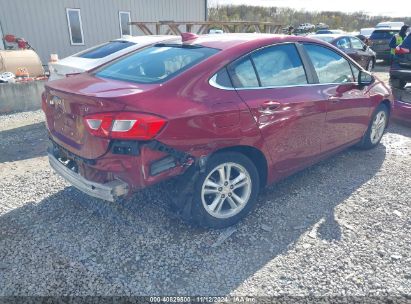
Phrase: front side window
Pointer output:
(279, 65)
(155, 64)
(125, 26)
(105, 49)
(356, 43)
(75, 26)
(330, 66)
(243, 74)
(356, 72)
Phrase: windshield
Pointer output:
(155, 64)
(106, 49)
(381, 34)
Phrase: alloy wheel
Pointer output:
(226, 190)
(378, 127)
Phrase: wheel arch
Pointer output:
(255, 155)
(387, 103)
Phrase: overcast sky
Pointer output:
(399, 8)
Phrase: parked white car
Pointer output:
(216, 31)
(96, 56)
(306, 27)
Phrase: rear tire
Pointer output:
(376, 128)
(226, 192)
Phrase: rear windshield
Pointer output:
(106, 49)
(381, 34)
(155, 64)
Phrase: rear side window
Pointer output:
(330, 66)
(344, 43)
(222, 79)
(106, 49)
(383, 34)
(243, 74)
(155, 64)
(279, 65)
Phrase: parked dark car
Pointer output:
(402, 112)
(400, 71)
(227, 114)
(328, 31)
(380, 40)
(353, 47)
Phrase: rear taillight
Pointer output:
(124, 125)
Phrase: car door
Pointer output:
(348, 104)
(289, 113)
(360, 52)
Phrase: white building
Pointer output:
(69, 26)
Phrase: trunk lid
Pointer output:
(70, 99)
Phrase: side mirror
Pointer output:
(365, 78)
(364, 47)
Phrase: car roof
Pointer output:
(145, 39)
(390, 24)
(230, 40)
(387, 29)
(333, 36)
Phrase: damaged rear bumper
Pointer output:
(109, 191)
(126, 167)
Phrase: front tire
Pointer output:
(370, 65)
(376, 128)
(226, 192)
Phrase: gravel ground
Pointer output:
(339, 228)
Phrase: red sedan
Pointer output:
(227, 114)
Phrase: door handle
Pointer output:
(269, 107)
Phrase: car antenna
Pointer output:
(188, 36)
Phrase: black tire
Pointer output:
(199, 215)
(367, 142)
(398, 83)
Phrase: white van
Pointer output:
(367, 31)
